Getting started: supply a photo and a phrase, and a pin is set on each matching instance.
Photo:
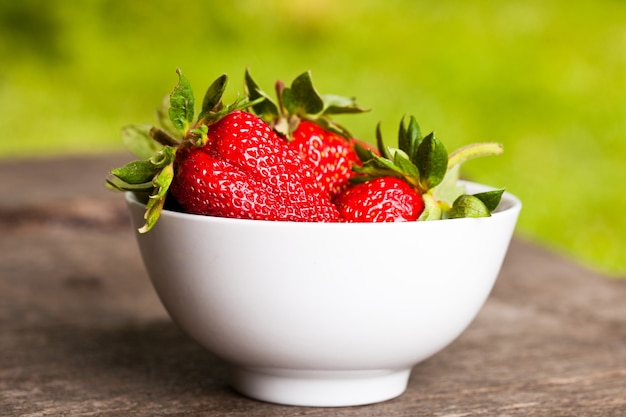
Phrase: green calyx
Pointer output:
(157, 146)
(424, 163)
(299, 101)
(151, 177)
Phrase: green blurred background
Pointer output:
(545, 78)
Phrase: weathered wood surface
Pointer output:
(83, 333)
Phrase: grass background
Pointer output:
(545, 78)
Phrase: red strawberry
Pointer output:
(302, 117)
(246, 171)
(231, 163)
(416, 181)
(382, 199)
(226, 163)
(331, 155)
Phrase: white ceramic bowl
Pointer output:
(324, 314)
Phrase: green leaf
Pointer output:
(384, 150)
(409, 137)
(384, 163)
(182, 104)
(415, 138)
(468, 206)
(141, 175)
(301, 98)
(164, 160)
(432, 161)
(152, 176)
(490, 199)
(267, 107)
(432, 209)
(138, 140)
(449, 189)
(403, 137)
(378, 167)
(364, 154)
(136, 172)
(411, 172)
(157, 200)
(334, 104)
(117, 184)
(165, 157)
(213, 96)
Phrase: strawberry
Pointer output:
(416, 181)
(332, 155)
(246, 171)
(227, 163)
(382, 199)
(303, 118)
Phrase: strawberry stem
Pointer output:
(162, 137)
(474, 150)
(201, 135)
(280, 87)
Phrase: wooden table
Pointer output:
(83, 333)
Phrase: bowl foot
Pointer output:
(319, 388)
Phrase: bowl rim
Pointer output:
(509, 204)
